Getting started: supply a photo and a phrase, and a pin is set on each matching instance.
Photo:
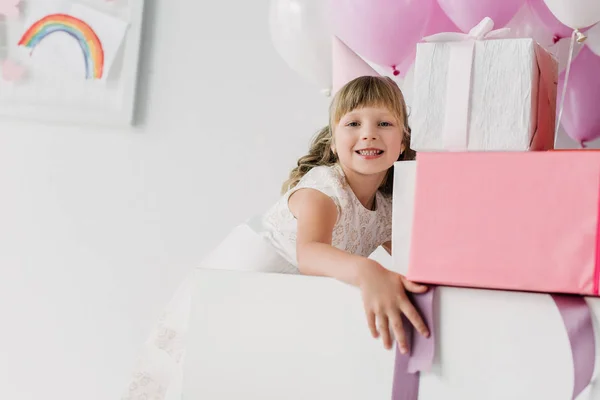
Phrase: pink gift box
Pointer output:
(525, 221)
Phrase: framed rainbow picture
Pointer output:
(85, 36)
(78, 62)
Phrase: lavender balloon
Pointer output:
(468, 13)
(383, 31)
(580, 118)
(557, 28)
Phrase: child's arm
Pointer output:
(383, 291)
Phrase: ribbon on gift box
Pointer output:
(407, 367)
(577, 319)
(458, 90)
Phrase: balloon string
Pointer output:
(576, 35)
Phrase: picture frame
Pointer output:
(43, 76)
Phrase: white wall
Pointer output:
(97, 227)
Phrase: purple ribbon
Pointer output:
(576, 317)
(421, 354)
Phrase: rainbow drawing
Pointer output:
(90, 44)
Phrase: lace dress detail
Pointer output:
(357, 230)
(158, 371)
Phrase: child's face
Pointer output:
(368, 140)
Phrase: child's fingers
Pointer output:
(396, 323)
(384, 330)
(414, 287)
(371, 321)
(414, 317)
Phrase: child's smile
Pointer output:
(370, 153)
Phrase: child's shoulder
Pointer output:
(324, 175)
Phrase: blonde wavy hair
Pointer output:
(365, 91)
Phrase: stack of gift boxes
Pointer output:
(489, 203)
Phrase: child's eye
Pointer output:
(353, 123)
(385, 124)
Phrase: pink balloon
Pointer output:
(438, 22)
(580, 118)
(468, 13)
(383, 31)
(541, 10)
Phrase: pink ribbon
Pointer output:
(576, 317)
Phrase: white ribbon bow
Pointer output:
(482, 31)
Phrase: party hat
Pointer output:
(347, 65)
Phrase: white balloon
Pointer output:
(526, 24)
(575, 13)
(593, 39)
(301, 33)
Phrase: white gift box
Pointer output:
(260, 336)
(483, 95)
(403, 200)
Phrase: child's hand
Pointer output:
(385, 300)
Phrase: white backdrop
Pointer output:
(97, 227)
